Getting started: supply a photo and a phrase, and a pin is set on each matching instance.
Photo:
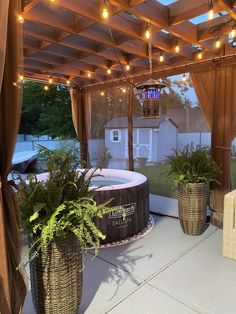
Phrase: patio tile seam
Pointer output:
(174, 298)
(125, 297)
(164, 267)
(120, 268)
(147, 281)
(181, 255)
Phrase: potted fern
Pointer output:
(57, 213)
(193, 170)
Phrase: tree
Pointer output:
(46, 112)
(114, 103)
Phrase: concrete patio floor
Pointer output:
(164, 272)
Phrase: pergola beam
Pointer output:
(227, 5)
(72, 31)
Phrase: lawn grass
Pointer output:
(162, 184)
(233, 173)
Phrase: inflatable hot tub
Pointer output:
(126, 188)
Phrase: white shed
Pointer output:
(153, 138)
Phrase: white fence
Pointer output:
(202, 139)
(29, 142)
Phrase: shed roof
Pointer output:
(138, 122)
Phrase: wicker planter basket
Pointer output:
(192, 201)
(56, 277)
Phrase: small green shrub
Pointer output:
(193, 166)
(104, 156)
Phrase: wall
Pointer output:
(117, 149)
(167, 140)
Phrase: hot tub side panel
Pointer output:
(135, 200)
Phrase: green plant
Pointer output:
(104, 158)
(61, 204)
(193, 166)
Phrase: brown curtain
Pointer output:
(216, 92)
(130, 128)
(81, 116)
(13, 287)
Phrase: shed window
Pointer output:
(115, 135)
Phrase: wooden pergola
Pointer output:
(68, 39)
(68, 42)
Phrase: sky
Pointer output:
(190, 94)
(199, 19)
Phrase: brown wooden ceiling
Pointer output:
(66, 39)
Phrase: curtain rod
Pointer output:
(161, 71)
(27, 78)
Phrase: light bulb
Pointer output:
(148, 33)
(68, 82)
(108, 71)
(89, 74)
(183, 79)
(104, 11)
(211, 11)
(46, 87)
(218, 43)
(210, 14)
(21, 77)
(124, 90)
(127, 67)
(20, 18)
(50, 81)
(199, 55)
(233, 32)
(161, 57)
(177, 48)
(102, 93)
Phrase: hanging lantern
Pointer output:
(150, 95)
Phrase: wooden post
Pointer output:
(4, 275)
(130, 129)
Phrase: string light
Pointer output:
(124, 90)
(89, 74)
(20, 18)
(211, 11)
(161, 57)
(218, 43)
(127, 67)
(68, 82)
(46, 88)
(105, 11)
(183, 79)
(109, 71)
(50, 80)
(233, 31)
(177, 48)
(199, 55)
(148, 32)
(102, 93)
(21, 77)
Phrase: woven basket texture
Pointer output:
(56, 277)
(192, 200)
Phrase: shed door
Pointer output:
(142, 143)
